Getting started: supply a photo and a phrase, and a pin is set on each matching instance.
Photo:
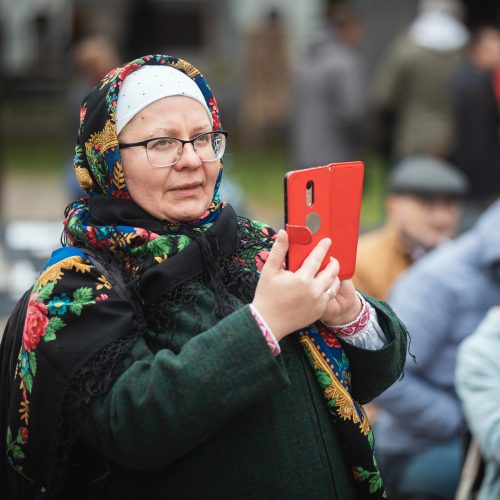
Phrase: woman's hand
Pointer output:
(344, 307)
(289, 300)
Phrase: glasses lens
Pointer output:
(167, 151)
(210, 146)
(164, 151)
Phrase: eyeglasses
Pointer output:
(167, 151)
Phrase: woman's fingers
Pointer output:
(328, 278)
(312, 263)
(289, 301)
(331, 270)
(278, 252)
(335, 287)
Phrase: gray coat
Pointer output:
(328, 105)
(478, 385)
(441, 300)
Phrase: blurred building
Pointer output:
(36, 35)
(36, 38)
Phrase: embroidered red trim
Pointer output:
(271, 340)
(355, 326)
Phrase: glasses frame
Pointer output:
(183, 142)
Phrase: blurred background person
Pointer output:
(477, 122)
(478, 379)
(411, 103)
(329, 97)
(422, 210)
(91, 56)
(441, 299)
(265, 105)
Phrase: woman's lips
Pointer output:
(187, 188)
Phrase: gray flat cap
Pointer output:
(427, 175)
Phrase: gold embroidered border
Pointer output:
(84, 178)
(54, 272)
(336, 391)
(105, 139)
(188, 68)
(119, 176)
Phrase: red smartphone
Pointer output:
(324, 202)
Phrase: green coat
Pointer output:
(217, 416)
(413, 84)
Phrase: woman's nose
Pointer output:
(189, 158)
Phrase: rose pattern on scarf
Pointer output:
(44, 319)
(330, 339)
(35, 324)
(83, 112)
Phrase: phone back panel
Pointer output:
(334, 211)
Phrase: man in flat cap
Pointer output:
(422, 210)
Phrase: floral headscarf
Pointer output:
(97, 159)
(99, 170)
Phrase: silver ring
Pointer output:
(329, 292)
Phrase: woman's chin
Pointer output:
(187, 214)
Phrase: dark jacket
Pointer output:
(217, 416)
(197, 407)
(477, 121)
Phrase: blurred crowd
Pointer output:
(430, 114)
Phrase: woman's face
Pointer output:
(181, 192)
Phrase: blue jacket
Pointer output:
(441, 300)
(478, 385)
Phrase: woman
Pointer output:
(157, 358)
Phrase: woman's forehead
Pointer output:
(168, 114)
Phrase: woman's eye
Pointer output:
(202, 139)
(162, 143)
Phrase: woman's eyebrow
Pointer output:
(168, 132)
(202, 129)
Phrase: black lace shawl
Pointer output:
(81, 364)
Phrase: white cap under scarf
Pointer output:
(149, 84)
